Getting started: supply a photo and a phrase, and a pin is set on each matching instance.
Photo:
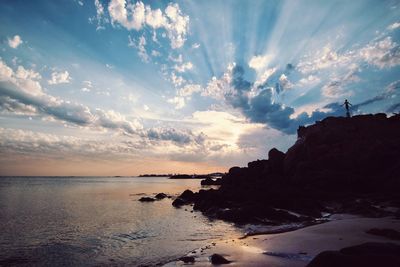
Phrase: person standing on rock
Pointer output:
(347, 105)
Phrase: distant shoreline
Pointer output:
(185, 176)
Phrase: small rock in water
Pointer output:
(187, 259)
(178, 202)
(218, 259)
(146, 199)
(161, 196)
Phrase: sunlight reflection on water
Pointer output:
(90, 221)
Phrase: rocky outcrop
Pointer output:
(364, 255)
(333, 163)
(209, 181)
(218, 259)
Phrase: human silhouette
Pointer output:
(347, 105)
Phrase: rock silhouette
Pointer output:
(337, 160)
(366, 255)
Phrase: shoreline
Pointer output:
(296, 247)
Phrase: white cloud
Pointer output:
(310, 80)
(326, 58)
(383, 54)
(155, 53)
(87, 86)
(178, 101)
(284, 82)
(131, 16)
(178, 25)
(27, 80)
(183, 67)
(177, 80)
(218, 88)
(265, 76)
(136, 16)
(394, 26)
(100, 18)
(140, 46)
(59, 77)
(15, 41)
(336, 87)
(189, 89)
(178, 59)
(260, 62)
(154, 18)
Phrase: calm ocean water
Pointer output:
(96, 221)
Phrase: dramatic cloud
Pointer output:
(23, 87)
(15, 41)
(16, 95)
(258, 102)
(59, 77)
(383, 54)
(136, 16)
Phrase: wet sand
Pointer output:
(295, 248)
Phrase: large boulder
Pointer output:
(364, 255)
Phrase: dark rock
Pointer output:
(187, 259)
(146, 199)
(178, 202)
(234, 170)
(161, 196)
(187, 195)
(389, 233)
(336, 160)
(276, 160)
(209, 181)
(364, 255)
(218, 259)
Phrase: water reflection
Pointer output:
(97, 221)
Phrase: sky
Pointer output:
(123, 87)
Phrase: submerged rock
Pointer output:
(187, 259)
(146, 199)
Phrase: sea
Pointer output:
(98, 221)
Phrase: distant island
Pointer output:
(154, 175)
(214, 175)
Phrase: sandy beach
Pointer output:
(296, 248)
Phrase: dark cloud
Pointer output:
(394, 108)
(174, 135)
(44, 104)
(261, 107)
